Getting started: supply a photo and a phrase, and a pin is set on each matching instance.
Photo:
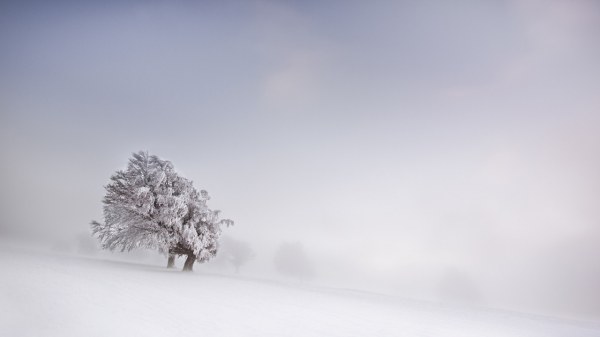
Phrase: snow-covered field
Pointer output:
(59, 295)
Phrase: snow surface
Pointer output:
(59, 295)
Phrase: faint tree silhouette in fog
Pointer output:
(456, 286)
(86, 244)
(235, 252)
(291, 260)
(571, 279)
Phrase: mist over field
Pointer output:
(438, 151)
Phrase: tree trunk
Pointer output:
(189, 263)
(171, 263)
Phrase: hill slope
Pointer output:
(53, 295)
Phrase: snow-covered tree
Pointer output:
(148, 205)
(235, 252)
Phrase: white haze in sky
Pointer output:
(403, 143)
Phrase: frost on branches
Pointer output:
(148, 205)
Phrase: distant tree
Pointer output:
(235, 252)
(86, 245)
(455, 286)
(291, 260)
(148, 205)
